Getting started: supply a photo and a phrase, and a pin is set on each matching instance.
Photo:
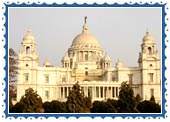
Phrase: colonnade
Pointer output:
(85, 55)
(96, 92)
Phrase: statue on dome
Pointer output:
(85, 19)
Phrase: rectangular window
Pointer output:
(46, 94)
(113, 78)
(130, 77)
(46, 78)
(150, 77)
(86, 73)
(26, 77)
(152, 92)
(64, 79)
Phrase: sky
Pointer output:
(119, 31)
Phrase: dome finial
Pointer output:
(147, 30)
(29, 30)
(85, 26)
(85, 19)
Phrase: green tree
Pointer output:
(32, 102)
(76, 101)
(126, 101)
(149, 107)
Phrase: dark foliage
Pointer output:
(76, 101)
(12, 65)
(149, 107)
(152, 99)
(104, 107)
(31, 102)
(126, 101)
(17, 108)
(54, 107)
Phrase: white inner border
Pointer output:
(2, 60)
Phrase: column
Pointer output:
(61, 88)
(88, 55)
(94, 92)
(86, 91)
(103, 92)
(67, 91)
(83, 56)
(99, 92)
(63, 92)
(116, 91)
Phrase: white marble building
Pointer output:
(85, 62)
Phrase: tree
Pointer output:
(149, 107)
(32, 102)
(152, 99)
(103, 107)
(12, 75)
(17, 108)
(47, 107)
(126, 101)
(12, 65)
(54, 107)
(76, 101)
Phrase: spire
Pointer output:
(29, 31)
(85, 26)
(147, 31)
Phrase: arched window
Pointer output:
(149, 50)
(28, 50)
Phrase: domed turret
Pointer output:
(119, 64)
(66, 58)
(106, 58)
(29, 38)
(148, 38)
(47, 64)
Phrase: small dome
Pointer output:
(47, 64)
(28, 38)
(66, 58)
(106, 58)
(119, 63)
(148, 38)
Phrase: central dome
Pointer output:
(85, 38)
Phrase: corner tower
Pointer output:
(149, 61)
(27, 64)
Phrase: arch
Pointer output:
(149, 51)
(28, 50)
